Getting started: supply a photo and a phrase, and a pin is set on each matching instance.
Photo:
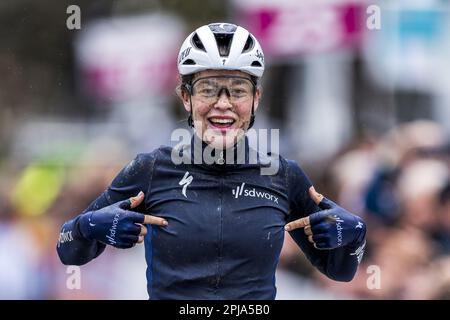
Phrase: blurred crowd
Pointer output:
(400, 184)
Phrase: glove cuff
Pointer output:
(361, 235)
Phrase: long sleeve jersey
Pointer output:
(225, 226)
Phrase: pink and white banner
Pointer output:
(289, 28)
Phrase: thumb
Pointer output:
(137, 200)
(132, 202)
(319, 199)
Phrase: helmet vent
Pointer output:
(224, 41)
(222, 27)
(256, 64)
(249, 44)
(189, 62)
(196, 42)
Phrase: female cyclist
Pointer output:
(214, 230)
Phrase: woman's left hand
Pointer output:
(332, 227)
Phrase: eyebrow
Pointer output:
(240, 81)
(235, 81)
(206, 82)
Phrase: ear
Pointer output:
(184, 97)
(258, 95)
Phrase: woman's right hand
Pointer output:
(117, 225)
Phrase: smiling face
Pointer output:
(221, 105)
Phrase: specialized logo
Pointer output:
(241, 191)
(260, 55)
(184, 54)
(187, 179)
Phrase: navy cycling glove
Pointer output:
(114, 225)
(334, 227)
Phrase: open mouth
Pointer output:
(221, 123)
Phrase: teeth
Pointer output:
(224, 121)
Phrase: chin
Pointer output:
(222, 141)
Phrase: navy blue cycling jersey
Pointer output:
(225, 226)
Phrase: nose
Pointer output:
(224, 101)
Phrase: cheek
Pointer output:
(200, 110)
(244, 111)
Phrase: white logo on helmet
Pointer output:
(184, 54)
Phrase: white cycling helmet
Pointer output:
(221, 46)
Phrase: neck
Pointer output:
(236, 154)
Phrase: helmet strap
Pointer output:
(252, 117)
(188, 89)
(190, 120)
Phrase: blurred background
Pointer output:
(360, 91)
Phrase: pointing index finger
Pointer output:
(299, 223)
(149, 219)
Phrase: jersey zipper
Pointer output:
(220, 161)
(220, 242)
